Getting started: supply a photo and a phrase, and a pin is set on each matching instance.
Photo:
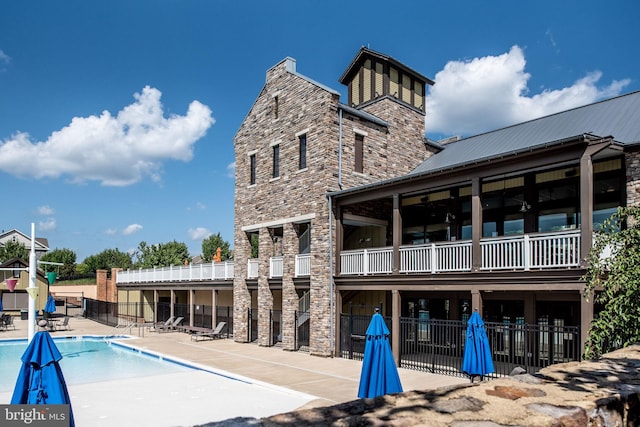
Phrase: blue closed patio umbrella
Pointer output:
(50, 307)
(477, 353)
(40, 381)
(379, 374)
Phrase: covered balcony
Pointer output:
(526, 252)
(521, 221)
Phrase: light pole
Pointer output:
(32, 284)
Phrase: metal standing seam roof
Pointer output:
(617, 117)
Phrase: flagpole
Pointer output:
(32, 283)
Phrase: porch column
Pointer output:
(395, 324)
(265, 297)
(191, 310)
(214, 308)
(289, 299)
(476, 300)
(173, 301)
(476, 225)
(155, 305)
(339, 240)
(586, 198)
(397, 233)
(586, 317)
(586, 206)
(337, 328)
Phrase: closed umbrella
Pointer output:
(379, 374)
(477, 353)
(40, 380)
(50, 307)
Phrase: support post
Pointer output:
(32, 284)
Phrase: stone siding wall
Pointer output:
(305, 107)
(632, 161)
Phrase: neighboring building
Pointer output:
(298, 143)
(18, 300)
(16, 236)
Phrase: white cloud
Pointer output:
(491, 92)
(231, 170)
(4, 58)
(45, 210)
(113, 150)
(198, 207)
(130, 229)
(110, 231)
(47, 225)
(199, 233)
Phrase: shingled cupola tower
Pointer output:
(372, 76)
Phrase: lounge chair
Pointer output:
(157, 325)
(7, 321)
(63, 324)
(171, 326)
(202, 333)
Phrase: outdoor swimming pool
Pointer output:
(114, 384)
(87, 360)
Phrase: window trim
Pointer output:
(275, 160)
(302, 151)
(358, 153)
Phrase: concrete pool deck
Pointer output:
(327, 380)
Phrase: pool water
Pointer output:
(87, 360)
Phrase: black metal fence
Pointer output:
(111, 313)
(303, 330)
(437, 346)
(252, 325)
(275, 320)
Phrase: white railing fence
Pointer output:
(303, 265)
(524, 252)
(209, 271)
(252, 268)
(275, 266)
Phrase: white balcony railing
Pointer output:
(524, 252)
(252, 268)
(275, 266)
(367, 261)
(210, 271)
(303, 265)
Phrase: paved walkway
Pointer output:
(330, 380)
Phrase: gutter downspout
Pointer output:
(331, 283)
(339, 149)
(332, 313)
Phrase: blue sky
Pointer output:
(117, 118)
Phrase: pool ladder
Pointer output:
(128, 326)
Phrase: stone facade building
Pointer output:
(298, 143)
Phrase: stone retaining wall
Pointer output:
(602, 393)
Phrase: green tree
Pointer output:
(64, 256)
(161, 255)
(12, 249)
(613, 280)
(108, 259)
(210, 247)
